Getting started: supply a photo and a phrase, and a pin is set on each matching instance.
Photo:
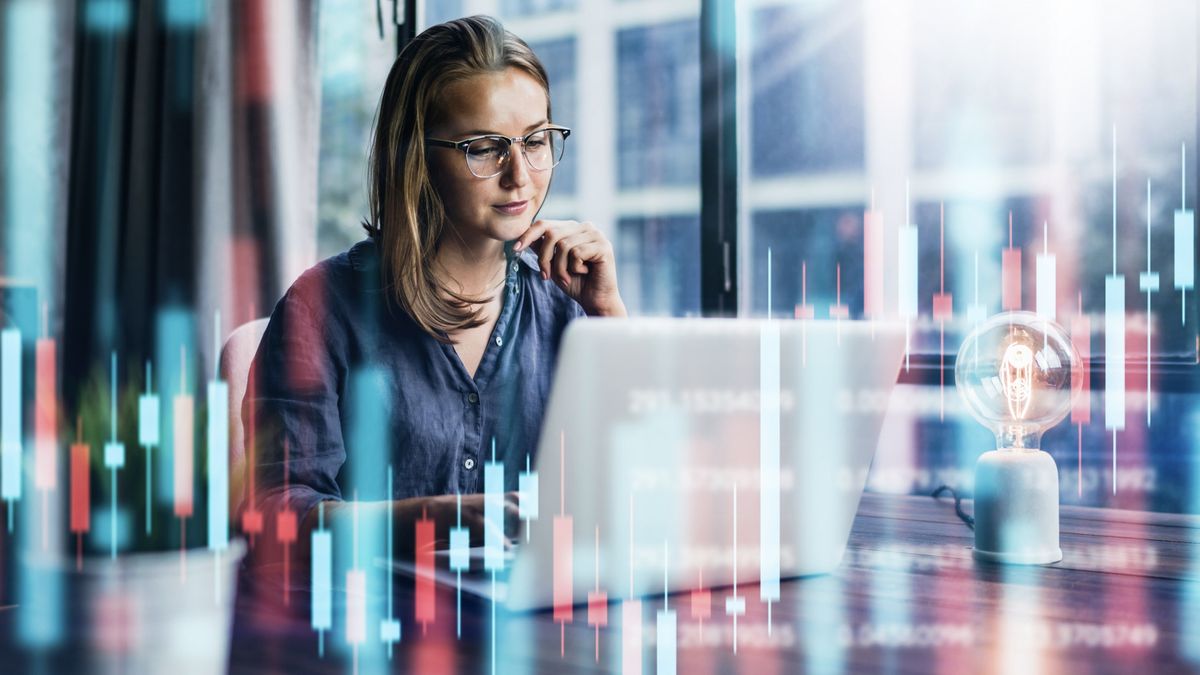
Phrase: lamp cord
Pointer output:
(963, 515)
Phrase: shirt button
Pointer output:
(499, 341)
(473, 398)
(469, 463)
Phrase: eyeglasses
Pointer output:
(487, 155)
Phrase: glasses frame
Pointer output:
(509, 141)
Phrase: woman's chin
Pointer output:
(508, 229)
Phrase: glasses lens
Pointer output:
(486, 156)
(544, 149)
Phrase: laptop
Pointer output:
(689, 454)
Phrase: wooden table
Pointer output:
(908, 598)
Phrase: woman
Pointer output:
(429, 347)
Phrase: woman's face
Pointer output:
(508, 103)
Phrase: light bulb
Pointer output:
(1014, 374)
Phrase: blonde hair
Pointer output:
(407, 217)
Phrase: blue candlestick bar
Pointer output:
(493, 513)
(322, 579)
(460, 558)
(665, 655)
(769, 468)
(389, 628)
(1046, 278)
(1185, 240)
(1148, 282)
(114, 453)
(218, 451)
(527, 486)
(148, 420)
(10, 419)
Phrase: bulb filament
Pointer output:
(1016, 379)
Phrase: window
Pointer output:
(626, 78)
(987, 127)
(354, 63)
(558, 56)
(658, 95)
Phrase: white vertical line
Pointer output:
(1149, 318)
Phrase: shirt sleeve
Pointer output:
(293, 396)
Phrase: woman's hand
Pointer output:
(443, 511)
(580, 259)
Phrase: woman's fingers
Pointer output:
(548, 249)
(562, 257)
(535, 232)
(551, 239)
(591, 252)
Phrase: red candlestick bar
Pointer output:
(81, 492)
(286, 528)
(252, 518)
(563, 586)
(838, 310)
(597, 601)
(46, 417)
(701, 601)
(804, 310)
(1010, 274)
(184, 422)
(426, 602)
(1081, 378)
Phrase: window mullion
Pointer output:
(718, 159)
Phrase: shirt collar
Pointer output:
(526, 256)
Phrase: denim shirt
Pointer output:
(342, 386)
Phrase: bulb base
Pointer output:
(1016, 508)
